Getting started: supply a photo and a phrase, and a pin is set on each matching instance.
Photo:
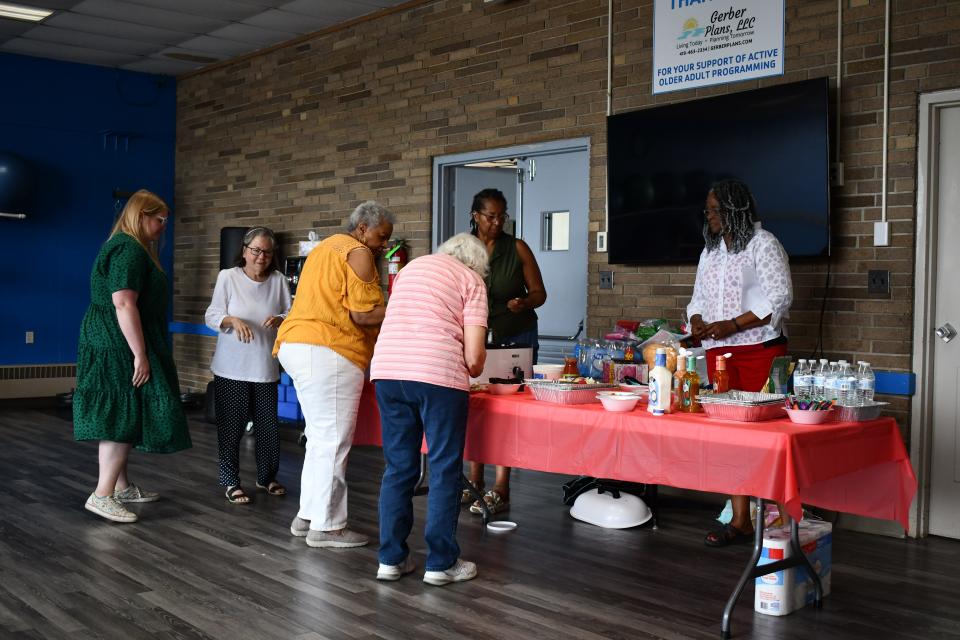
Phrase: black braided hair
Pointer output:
(480, 199)
(738, 212)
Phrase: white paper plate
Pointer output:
(501, 526)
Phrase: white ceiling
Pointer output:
(171, 36)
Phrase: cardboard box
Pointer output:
(614, 371)
(780, 593)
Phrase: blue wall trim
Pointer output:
(897, 383)
(191, 329)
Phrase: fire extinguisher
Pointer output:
(396, 258)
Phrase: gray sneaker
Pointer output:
(133, 493)
(460, 571)
(341, 539)
(300, 527)
(110, 508)
(396, 571)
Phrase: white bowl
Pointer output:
(603, 510)
(502, 389)
(501, 526)
(618, 401)
(548, 371)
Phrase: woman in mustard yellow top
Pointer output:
(324, 345)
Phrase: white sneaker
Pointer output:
(396, 571)
(110, 508)
(460, 571)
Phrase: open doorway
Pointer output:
(547, 191)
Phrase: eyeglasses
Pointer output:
(492, 218)
(259, 252)
(707, 212)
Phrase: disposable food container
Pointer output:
(559, 392)
(860, 414)
(742, 406)
(618, 401)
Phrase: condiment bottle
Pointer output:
(570, 367)
(660, 383)
(690, 387)
(678, 377)
(721, 378)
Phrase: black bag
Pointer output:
(210, 404)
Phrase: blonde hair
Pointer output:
(469, 250)
(130, 222)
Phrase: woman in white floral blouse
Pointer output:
(741, 297)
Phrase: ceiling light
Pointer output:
(21, 12)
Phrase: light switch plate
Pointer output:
(601, 242)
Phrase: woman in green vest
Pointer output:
(514, 290)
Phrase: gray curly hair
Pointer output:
(469, 250)
(370, 213)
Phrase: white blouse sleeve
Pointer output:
(217, 310)
(773, 273)
(699, 302)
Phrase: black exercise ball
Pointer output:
(16, 182)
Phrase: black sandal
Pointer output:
(725, 535)
(236, 495)
(273, 488)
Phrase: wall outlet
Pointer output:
(606, 279)
(878, 281)
(28, 338)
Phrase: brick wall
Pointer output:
(293, 138)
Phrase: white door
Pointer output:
(554, 221)
(945, 450)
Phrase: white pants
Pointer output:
(328, 387)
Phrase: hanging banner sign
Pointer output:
(698, 43)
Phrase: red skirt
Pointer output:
(749, 366)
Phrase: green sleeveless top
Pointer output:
(505, 282)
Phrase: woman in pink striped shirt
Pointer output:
(432, 340)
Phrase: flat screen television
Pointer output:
(661, 162)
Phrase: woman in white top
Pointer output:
(249, 303)
(741, 297)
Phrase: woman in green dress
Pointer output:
(127, 390)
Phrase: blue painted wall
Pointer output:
(52, 114)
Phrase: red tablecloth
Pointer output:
(859, 468)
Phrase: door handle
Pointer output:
(946, 332)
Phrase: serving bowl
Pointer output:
(618, 401)
(806, 416)
(502, 389)
(548, 371)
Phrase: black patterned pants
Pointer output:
(237, 401)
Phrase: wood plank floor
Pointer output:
(198, 567)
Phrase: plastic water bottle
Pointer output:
(820, 379)
(848, 395)
(801, 379)
(866, 383)
(830, 382)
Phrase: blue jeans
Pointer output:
(408, 410)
